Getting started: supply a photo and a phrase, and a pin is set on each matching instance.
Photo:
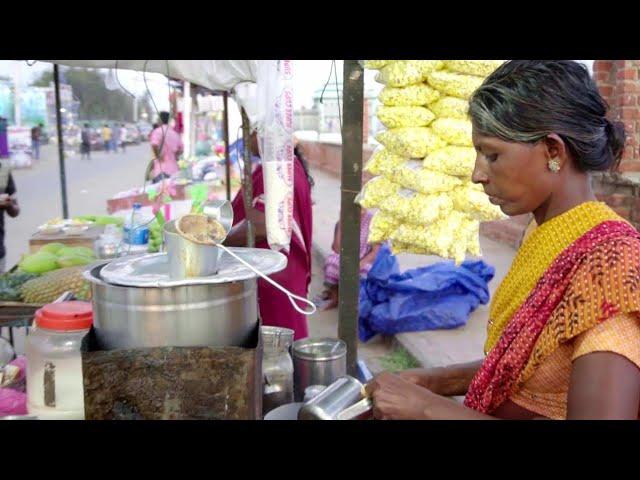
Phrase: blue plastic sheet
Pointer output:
(439, 296)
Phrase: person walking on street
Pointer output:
(123, 136)
(4, 141)
(8, 203)
(167, 146)
(106, 137)
(36, 133)
(85, 142)
(115, 137)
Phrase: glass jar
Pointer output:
(55, 388)
(277, 368)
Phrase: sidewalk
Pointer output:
(430, 348)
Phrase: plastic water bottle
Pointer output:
(135, 230)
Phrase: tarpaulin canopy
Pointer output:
(223, 75)
(212, 74)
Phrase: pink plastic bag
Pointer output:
(12, 402)
(13, 399)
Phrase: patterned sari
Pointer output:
(571, 274)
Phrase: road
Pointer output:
(89, 184)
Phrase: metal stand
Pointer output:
(350, 212)
(247, 181)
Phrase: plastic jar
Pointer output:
(55, 388)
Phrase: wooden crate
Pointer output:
(173, 383)
(85, 239)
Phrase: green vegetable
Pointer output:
(106, 220)
(72, 261)
(40, 262)
(52, 248)
(76, 252)
(86, 218)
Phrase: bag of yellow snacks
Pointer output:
(375, 192)
(412, 95)
(411, 142)
(383, 162)
(381, 226)
(397, 117)
(414, 176)
(454, 84)
(475, 203)
(450, 107)
(401, 73)
(453, 131)
(481, 68)
(452, 160)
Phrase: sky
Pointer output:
(309, 75)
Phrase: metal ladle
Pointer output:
(208, 230)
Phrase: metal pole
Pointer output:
(186, 117)
(63, 176)
(247, 185)
(227, 157)
(353, 97)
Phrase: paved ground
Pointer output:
(430, 348)
(89, 184)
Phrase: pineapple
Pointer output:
(48, 287)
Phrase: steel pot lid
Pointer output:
(153, 270)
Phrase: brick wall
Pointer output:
(619, 85)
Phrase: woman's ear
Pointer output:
(556, 149)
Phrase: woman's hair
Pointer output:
(526, 100)
(305, 166)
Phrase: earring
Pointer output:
(554, 165)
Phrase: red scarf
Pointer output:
(503, 366)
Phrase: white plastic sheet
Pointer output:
(275, 132)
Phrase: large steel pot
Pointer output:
(224, 314)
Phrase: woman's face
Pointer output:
(515, 176)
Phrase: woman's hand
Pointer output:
(396, 398)
(434, 379)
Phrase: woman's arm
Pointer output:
(336, 239)
(370, 257)
(395, 398)
(603, 386)
(448, 381)
(238, 235)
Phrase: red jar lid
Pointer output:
(65, 316)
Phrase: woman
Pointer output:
(275, 308)
(328, 299)
(564, 332)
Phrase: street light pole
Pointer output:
(63, 177)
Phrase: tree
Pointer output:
(96, 101)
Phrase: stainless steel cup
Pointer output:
(344, 399)
(188, 259)
(317, 361)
